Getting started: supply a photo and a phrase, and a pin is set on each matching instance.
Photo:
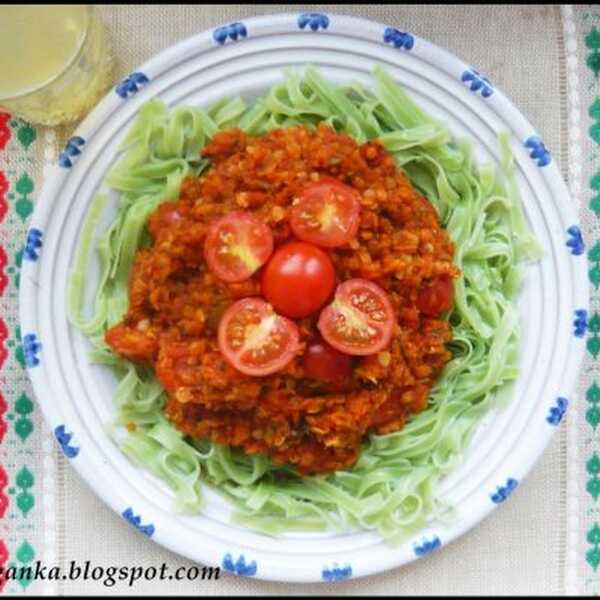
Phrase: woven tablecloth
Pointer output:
(545, 540)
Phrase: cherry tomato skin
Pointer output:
(360, 320)
(327, 213)
(237, 245)
(436, 297)
(322, 361)
(298, 279)
(255, 340)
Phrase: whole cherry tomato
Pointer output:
(298, 279)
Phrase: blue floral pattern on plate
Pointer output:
(580, 323)
(538, 150)
(315, 21)
(233, 32)
(503, 492)
(558, 411)
(399, 39)
(31, 349)
(336, 573)
(64, 441)
(239, 567)
(136, 521)
(72, 149)
(575, 241)
(477, 82)
(33, 244)
(427, 546)
(131, 84)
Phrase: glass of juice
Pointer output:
(54, 61)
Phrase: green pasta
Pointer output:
(392, 487)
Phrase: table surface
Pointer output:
(535, 543)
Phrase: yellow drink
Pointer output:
(53, 61)
(36, 43)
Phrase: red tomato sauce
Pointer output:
(176, 302)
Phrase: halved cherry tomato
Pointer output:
(327, 213)
(322, 361)
(254, 339)
(360, 320)
(237, 245)
(298, 279)
(436, 296)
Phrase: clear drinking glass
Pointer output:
(54, 61)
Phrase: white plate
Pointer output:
(246, 59)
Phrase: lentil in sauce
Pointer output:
(176, 302)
